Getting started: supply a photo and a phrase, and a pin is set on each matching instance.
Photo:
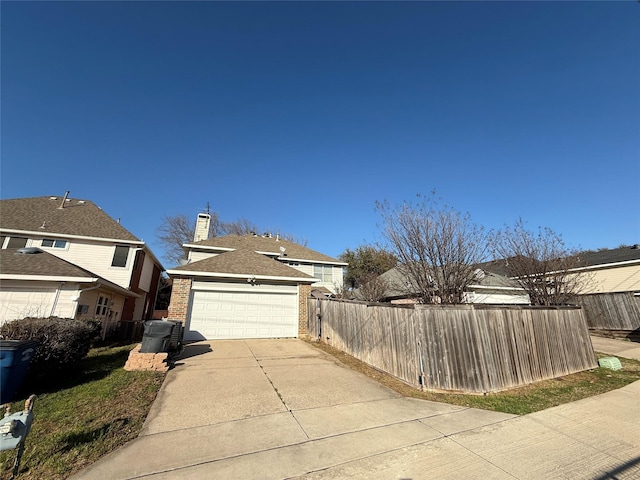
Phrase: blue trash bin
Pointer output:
(15, 357)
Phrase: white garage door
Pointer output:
(243, 314)
(18, 302)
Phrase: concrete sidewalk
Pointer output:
(619, 348)
(275, 409)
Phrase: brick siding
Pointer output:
(304, 292)
(179, 303)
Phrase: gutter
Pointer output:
(77, 237)
(186, 273)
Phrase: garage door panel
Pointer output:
(219, 315)
(21, 302)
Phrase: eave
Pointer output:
(245, 276)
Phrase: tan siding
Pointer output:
(197, 256)
(620, 279)
(95, 257)
(66, 307)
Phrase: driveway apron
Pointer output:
(274, 409)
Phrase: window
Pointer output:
(48, 242)
(17, 242)
(324, 273)
(120, 256)
(102, 307)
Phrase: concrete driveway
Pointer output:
(275, 409)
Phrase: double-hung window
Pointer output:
(324, 273)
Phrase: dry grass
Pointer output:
(83, 415)
(518, 401)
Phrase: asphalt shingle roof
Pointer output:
(42, 264)
(243, 262)
(615, 255)
(266, 244)
(45, 265)
(78, 217)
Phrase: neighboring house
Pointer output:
(490, 287)
(91, 266)
(251, 286)
(35, 283)
(612, 271)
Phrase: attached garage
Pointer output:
(227, 311)
(20, 302)
(238, 294)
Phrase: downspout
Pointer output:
(75, 298)
(55, 300)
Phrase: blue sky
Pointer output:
(300, 115)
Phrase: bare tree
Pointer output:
(437, 247)
(542, 264)
(173, 233)
(177, 230)
(372, 289)
(239, 227)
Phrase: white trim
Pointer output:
(274, 254)
(206, 247)
(225, 287)
(604, 265)
(488, 287)
(45, 234)
(239, 275)
(578, 269)
(324, 262)
(47, 278)
(100, 283)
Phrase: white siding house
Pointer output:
(124, 272)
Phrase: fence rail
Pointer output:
(464, 348)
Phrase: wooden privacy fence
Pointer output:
(462, 348)
(611, 311)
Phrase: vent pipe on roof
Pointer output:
(66, 194)
(28, 251)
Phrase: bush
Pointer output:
(63, 341)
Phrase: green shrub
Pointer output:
(62, 341)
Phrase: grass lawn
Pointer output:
(83, 414)
(517, 401)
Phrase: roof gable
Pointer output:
(266, 245)
(77, 218)
(243, 263)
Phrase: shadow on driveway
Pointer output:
(194, 350)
